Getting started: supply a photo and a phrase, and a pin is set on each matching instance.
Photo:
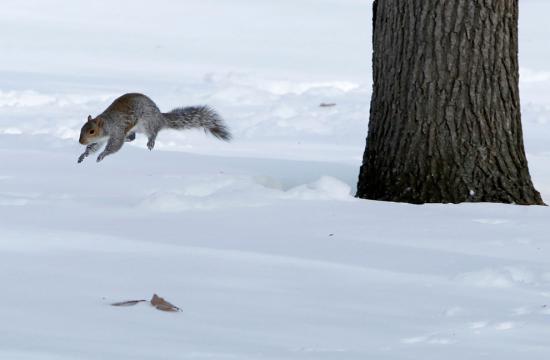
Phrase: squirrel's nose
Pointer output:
(81, 140)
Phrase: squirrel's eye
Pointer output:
(92, 132)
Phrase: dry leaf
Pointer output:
(156, 301)
(162, 304)
(127, 303)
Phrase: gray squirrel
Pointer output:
(136, 113)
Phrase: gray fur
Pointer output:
(114, 144)
(197, 117)
(90, 149)
(133, 113)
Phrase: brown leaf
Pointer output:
(162, 304)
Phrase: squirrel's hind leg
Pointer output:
(152, 127)
(151, 142)
(152, 133)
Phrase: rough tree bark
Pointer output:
(445, 122)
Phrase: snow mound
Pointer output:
(201, 193)
(12, 201)
(326, 188)
(498, 278)
(24, 98)
(209, 193)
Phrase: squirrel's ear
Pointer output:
(89, 117)
(99, 122)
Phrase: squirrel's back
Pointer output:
(132, 104)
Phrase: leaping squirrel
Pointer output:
(136, 113)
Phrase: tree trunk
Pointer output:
(445, 122)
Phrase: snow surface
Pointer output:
(259, 241)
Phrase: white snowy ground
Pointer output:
(259, 241)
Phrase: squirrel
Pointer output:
(136, 113)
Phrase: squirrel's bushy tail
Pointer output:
(198, 117)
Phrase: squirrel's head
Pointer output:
(92, 131)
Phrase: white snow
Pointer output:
(259, 241)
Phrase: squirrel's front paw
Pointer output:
(81, 158)
(150, 144)
(101, 157)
